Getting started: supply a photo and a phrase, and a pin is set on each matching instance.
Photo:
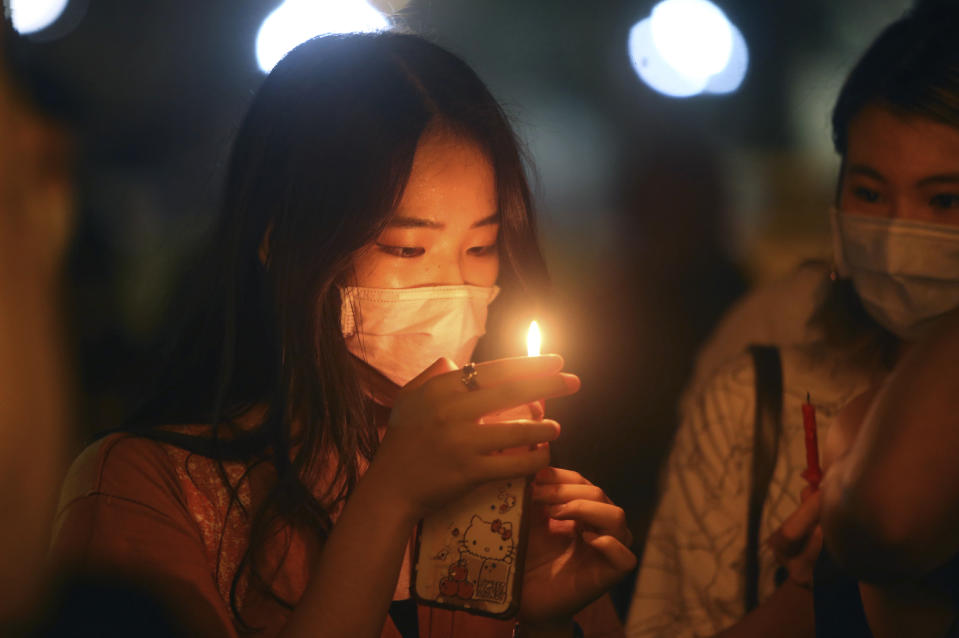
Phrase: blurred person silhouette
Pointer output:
(734, 474)
(321, 399)
(777, 312)
(891, 563)
(36, 213)
(37, 377)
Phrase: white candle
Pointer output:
(533, 339)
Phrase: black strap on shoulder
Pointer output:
(403, 613)
(769, 408)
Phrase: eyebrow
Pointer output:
(868, 171)
(945, 178)
(404, 221)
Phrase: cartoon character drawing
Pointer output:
(445, 551)
(486, 552)
(493, 581)
(509, 501)
(455, 585)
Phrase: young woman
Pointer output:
(896, 126)
(320, 402)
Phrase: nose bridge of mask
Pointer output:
(402, 331)
(451, 314)
(427, 309)
(897, 247)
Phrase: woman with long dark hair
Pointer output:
(895, 219)
(320, 399)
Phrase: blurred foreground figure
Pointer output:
(736, 540)
(36, 210)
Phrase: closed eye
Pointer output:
(945, 201)
(867, 195)
(404, 252)
(482, 251)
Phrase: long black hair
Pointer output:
(912, 69)
(318, 166)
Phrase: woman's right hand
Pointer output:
(436, 447)
(798, 541)
(789, 611)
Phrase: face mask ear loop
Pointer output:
(349, 308)
(350, 318)
(839, 267)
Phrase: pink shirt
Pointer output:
(159, 516)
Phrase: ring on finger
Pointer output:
(468, 376)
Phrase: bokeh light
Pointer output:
(729, 79)
(688, 47)
(653, 68)
(693, 36)
(296, 21)
(30, 16)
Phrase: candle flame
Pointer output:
(533, 339)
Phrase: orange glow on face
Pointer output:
(533, 339)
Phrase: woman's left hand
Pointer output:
(798, 541)
(578, 547)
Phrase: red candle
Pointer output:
(812, 473)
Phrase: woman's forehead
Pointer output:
(452, 181)
(893, 143)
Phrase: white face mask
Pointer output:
(402, 331)
(906, 272)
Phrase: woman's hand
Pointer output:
(789, 611)
(578, 547)
(436, 447)
(798, 541)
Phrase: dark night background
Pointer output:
(656, 212)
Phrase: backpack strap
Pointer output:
(405, 617)
(769, 408)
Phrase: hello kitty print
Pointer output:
(467, 553)
(486, 556)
